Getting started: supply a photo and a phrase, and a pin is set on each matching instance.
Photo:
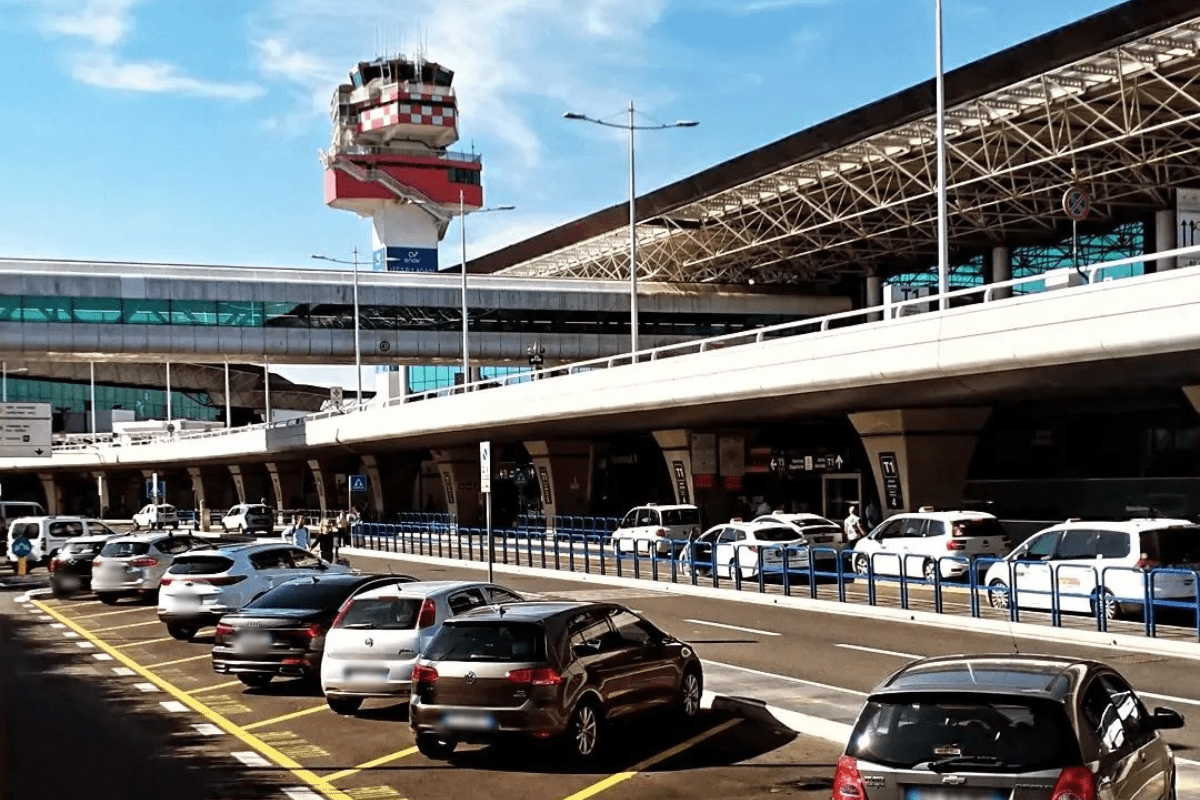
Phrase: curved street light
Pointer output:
(357, 347)
(631, 127)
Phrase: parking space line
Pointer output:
(123, 627)
(285, 717)
(146, 641)
(642, 766)
(211, 688)
(379, 762)
(295, 768)
(111, 613)
(876, 650)
(731, 627)
(176, 661)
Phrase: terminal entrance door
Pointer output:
(838, 491)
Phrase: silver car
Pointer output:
(1011, 726)
(134, 565)
(379, 635)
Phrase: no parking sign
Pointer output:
(1076, 203)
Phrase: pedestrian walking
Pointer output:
(289, 531)
(301, 537)
(853, 526)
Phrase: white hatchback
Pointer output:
(135, 564)
(203, 585)
(662, 529)
(379, 635)
(153, 516)
(747, 546)
(1089, 563)
(924, 543)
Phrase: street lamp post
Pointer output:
(462, 227)
(631, 126)
(942, 226)
(357, 344)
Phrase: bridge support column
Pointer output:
(564, 473)
(54, 493)
(1165, 238)
(1001, 271)
(374, 484)
(459, 470)
(208, 489)
(677, 452)
(239, 481)
(287, 484)
(920, 456)
(324, 478)
(1193, 396)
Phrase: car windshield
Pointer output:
(82, 548)
(983, 732)
(124, 549)
(384, 613)
(200, 565)
(777, 535)
(1172, 547)
(978, 527)
(305, 594)
(488, 641)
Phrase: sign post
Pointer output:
(485, 486)
(21, 548)
(357, 484)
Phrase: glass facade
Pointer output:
(429, 378)
(145, 403)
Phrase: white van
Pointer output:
(11, 509)
(48, 534)
(665, 529)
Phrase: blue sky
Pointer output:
(188, 130)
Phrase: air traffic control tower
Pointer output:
(388, 161)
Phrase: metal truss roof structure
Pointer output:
(1110, 103)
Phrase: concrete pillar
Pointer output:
(54, 493)
(1165, 237)
(1001, 271)
(459, 471)
(677, 452)
(920, 456)
(239, 481)
(325, 479)
(375, 484)
(103, 505)
(564, 473)
(208, 487)
(874, 295)
(287, 483)
(1193, 396)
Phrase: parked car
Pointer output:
(547, 670)
(11, 509)
(202, 586)
(283, 631)
(1106, 563)
(746, 546)
(379, 634)
(47, 534)
(155, 517)
(71, 566)
(817, 530)
(925, 541)
(663, 529)
(134, 565)
(249, 518)
(1012, 726)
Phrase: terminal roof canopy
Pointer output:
(1109, 103)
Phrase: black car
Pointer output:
(71, 567)
(283, 631)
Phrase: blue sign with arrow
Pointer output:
(358, 483)
(21, 547)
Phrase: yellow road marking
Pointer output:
(308, 776)
(214, 686)
(642, 766)
(285, 717)
(146, 641)
(337, 776)
(177, 661)
(111, 613)
(123, 627)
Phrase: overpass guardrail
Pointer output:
(1166, 600)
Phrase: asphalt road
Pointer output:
(97, 701)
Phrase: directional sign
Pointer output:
(24, 430)
(358, 483)
(1076, 203)
(162, 489)
(485, 467)
(21, 547)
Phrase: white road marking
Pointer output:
(22, 598)
(731, 627)
(84, 645)
(58, 625)
(124, 672)
(1189, 762)
(103, 657)
(174, 706)
(1169, 698)
(45, 618)
(208, 729)
(70, 634)
(251, 759)
(302, 793)
(787, 678)
(146, 687)
(877, 650)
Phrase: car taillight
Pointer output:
(53, 565)
(313, 630)
(428, 614)
(538, 676)
(423, 674)
(224, 629)
(146, 561)
(1142, 563)
(753, 548)
(661, 532)
(1075, 783)
(953, 545)
(97, 561)
(847, 783)
(166, 580)
(337, 621)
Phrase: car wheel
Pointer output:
(256, 680)
(435, 747)
(861, 563)
(691, 688)
(585, 731)
(150, 597)
(1112, 609)
(183, 633)
(136, 527)
(242, 530)
(344, 705)
(108, 598)
(998, 594)
(929, 570)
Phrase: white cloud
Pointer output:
(104, 71)
(104, 23)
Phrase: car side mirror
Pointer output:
(1166, 718)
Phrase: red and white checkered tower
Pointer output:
(391, 126)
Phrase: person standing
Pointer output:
(343, 530)
(326, 538)
(853, 526)
(301, 536)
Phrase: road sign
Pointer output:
(485, 467)
(21, 547)
(24, 430)
(1076, 203)
(150, 493)
(893, 491)
(358, 483)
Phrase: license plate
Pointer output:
(252, 642)
(367, 673)
(945, 793)
(68, 581)
(468, 721)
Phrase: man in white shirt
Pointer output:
(852, 526)
(301, 536)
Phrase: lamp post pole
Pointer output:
(462, 229)
(942, 226)
(632, 126)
